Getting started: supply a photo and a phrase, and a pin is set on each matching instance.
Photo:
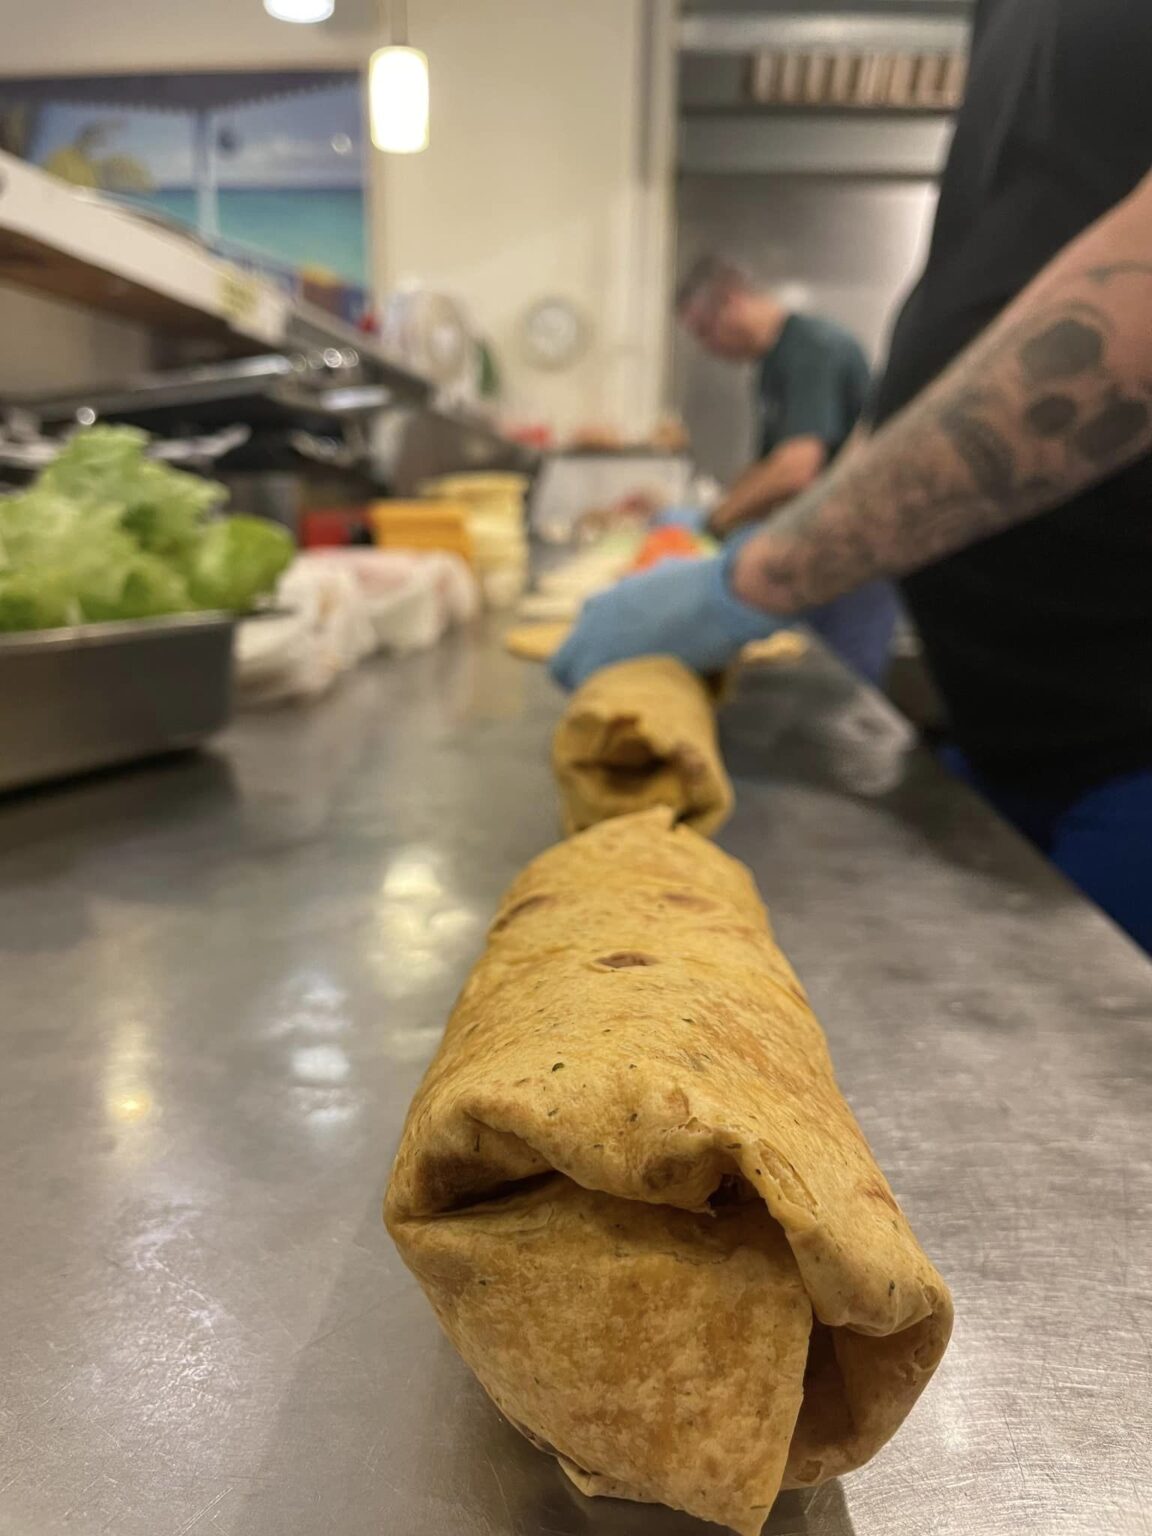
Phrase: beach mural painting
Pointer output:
(267, 167)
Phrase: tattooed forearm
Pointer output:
(983, 448)
(1053, 398)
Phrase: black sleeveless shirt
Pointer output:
(1041, 637)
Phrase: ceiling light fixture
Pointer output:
(398, 88)
(302, 11)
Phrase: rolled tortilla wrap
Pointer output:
(638, 1203)
(636, 735)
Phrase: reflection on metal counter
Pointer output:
(223, 977)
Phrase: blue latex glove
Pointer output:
(694, 519)
(681, 608)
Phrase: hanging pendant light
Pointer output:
(303, 11)
(398, 90)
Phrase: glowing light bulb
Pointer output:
(398, 100)
(303, 11)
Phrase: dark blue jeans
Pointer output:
(1101, 838)
(859, 628)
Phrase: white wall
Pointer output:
(90, 37)
(542, 179)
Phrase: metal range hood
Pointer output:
(820, 91)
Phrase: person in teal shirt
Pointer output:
(812, 384)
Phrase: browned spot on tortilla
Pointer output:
(663, 1175)
(687, 899)
(527, 904)
(691, 765)
(623, 959)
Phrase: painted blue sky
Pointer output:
(311, 140)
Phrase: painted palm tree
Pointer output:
(83, 165)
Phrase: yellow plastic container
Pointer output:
(488, 495)
(430, 524)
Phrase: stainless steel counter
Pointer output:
(221, 981)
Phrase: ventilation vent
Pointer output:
(853, 80)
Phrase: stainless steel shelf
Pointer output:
(58, 241)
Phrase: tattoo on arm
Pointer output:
(1104, 274)
(987, 455)
(1056, 397)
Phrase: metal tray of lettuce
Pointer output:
(96, 695)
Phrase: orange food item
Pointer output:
(670, 543)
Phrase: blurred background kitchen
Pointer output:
(337, 254)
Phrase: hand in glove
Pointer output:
(683, 608)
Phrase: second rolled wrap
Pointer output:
(640, 734)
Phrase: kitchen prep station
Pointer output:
(224, 975)
(575, 768)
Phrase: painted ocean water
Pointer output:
(298, 227)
